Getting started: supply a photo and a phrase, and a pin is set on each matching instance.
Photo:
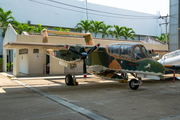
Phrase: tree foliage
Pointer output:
(83, 25)
(96, 27)
(162, 38)
(128, 32)
(118, 31)
(5, 18)
(105, 30)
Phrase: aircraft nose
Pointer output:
(158, 67)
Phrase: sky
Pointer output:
(146, 6)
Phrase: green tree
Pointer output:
(162, 38)
(60, 29)
(23, 27)
(96, 27)
(83, 25)
(105, 30)
(128, 32)
(118, 32)
(111, 32)
(39, 28)
(5, 18)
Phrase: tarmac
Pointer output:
(48, 98)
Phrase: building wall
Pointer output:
(10, 35)
(174, 33)
(53, 14)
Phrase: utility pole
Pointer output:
(165, 17)
(86, 11)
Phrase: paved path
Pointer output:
(20, 103)
(154, 100)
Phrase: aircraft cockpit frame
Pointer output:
(127, 51)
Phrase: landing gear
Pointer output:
(69, 80)
(134, 84)
(124, 75)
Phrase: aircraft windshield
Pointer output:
(138, 54)
(125, 51)
(146, 52)
(115, 50)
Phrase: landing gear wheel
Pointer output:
(132, 86)
(69, 80)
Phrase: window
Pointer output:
(138, 54)
(35, 50)
(115, 50)
(125, 51)
(146, 52)
(23, 51)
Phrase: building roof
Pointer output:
(151, 40)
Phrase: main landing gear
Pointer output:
(69, 79)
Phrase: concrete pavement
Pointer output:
(154, 100)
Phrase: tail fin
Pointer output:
(45, 36)
(88, 37)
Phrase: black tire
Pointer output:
(133, 87)
(69, 79)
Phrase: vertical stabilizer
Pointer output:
(45, 36)
(88, 39)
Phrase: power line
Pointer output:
(89, 13)
(96, 10)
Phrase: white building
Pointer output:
(174, 29)
(67, 13)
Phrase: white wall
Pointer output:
(48, 14)
(174, 40)
(23, 63)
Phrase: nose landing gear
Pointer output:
(134, 84)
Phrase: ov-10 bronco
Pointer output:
(111, 62)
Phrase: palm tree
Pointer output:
(111, 32)
(118, 32)
(96, 27)
(128, 32)
(83, 25)
(105, 30)
(5, 18)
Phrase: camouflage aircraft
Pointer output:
(112, 62)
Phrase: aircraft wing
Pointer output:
(58, 51)
(172, 68)
(41, 45)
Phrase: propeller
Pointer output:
(83, 55)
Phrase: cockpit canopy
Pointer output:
(129, 51)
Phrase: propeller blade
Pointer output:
(72, 49)
(93, 48)
(84, 69)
